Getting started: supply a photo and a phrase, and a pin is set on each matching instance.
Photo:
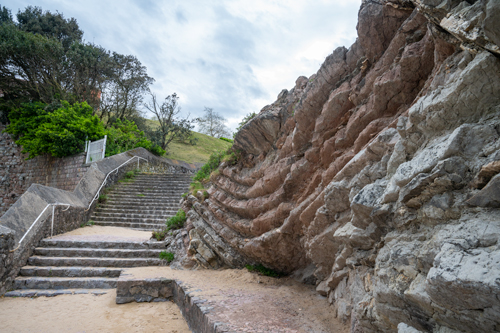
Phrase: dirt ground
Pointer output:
(240, 300)
(248, 302)
(88, 313)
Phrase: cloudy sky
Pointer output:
(234, 56)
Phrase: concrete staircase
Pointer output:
(76, 265)
(144, 203)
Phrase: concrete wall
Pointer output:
(17, 174)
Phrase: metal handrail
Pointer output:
(36, 220)
(64, 204)
(106, 179)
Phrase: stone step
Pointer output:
(157, 182)
(158, 220)
(143, 203)
(131, 211)
(133, 225)
(138, 192)
(36, 282)
(132, 196)
(53, 271)
(94, 262)
(164, 176)
(160, 214)
(137, 207)
(96, 252)
(54, 292)
(152, 244)
(155, 187)
(136, 198)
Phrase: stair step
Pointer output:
(170, 194)
(53, 271)
(94, 262)
(154, 214)
(143, 226)
(134, 211)
(35, 282)
(130, 219)
(144, 200)
(134, 206)
(53, 292)
(96, 253)
(47, 243)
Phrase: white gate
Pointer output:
(95, 150)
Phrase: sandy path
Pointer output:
(248, 302)
(88, 313)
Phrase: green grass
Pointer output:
(168, 256)
(198, 153)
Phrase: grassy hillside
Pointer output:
(199, 153)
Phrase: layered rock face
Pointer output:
(377, 178)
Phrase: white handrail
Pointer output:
(116, 169)
(36, 220)
(63, 204)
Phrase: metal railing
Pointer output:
(69, 205)
(109, 173)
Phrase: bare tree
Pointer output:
(171, 127)
(213, 124)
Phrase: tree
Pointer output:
(213, 124)
(122, 95)
(171, 127)
(34, 20)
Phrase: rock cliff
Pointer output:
(378, 177)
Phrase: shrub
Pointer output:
(176, 221)
(160, 235)
(124, 135)
(214, 160)
(58, 129)
(168, 256)
(226, 139)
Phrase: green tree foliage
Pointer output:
(124, 93)
(124, 135)
(245, 120)
(60, 129)
(5, 15)
(34, 20)
(56, 129)
(171, 127)
(43, 58)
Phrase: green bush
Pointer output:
(58, 129)
(203, 175)
(160, 235)
(226, 139)
(168, 256)
(176, 221)
(124, 135)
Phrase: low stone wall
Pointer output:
(132, 289)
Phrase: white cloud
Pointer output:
(234, 56)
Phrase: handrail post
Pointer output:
(52, 227)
